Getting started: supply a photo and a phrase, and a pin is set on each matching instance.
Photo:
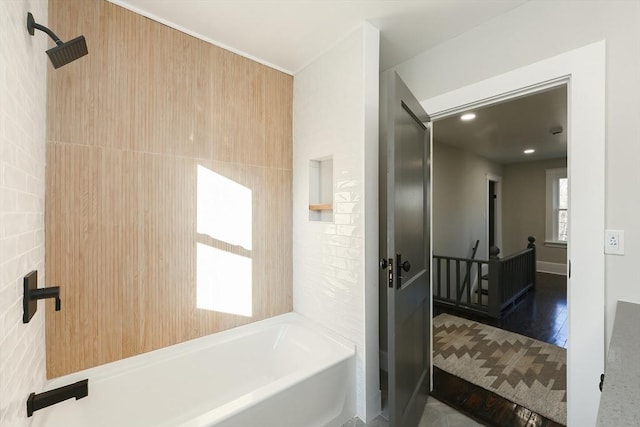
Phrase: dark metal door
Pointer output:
(404, 241)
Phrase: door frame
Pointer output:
(584, 71)
(498, 213)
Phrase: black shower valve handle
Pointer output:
(32, 294)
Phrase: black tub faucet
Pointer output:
(57, 395)
(32, 294)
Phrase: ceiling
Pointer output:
(501, 132)
(290, 34)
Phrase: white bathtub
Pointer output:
(283, 371)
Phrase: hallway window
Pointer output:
(557, 206)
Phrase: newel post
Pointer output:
(495, 282)
(532, 245)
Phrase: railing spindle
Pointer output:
(458, 296)
(448, 279)
(479, 281)
(468, 284)
(439, 273)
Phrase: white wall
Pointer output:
(335, 279)
(460, 200)
(524, 198)
(23, 71)
(541, 29)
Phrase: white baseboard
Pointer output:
(551, 267)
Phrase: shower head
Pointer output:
(63, 52)
(67, 52)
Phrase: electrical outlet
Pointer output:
(614, 242)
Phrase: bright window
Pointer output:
(557, 221)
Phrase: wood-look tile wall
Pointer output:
(128, 126)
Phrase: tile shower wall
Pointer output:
(23, 69)
(335, 102)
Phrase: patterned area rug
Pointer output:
(523, 370)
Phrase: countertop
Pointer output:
(620, 402)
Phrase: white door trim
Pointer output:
(584, 71)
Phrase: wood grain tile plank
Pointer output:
(128, 126)
(278, 107)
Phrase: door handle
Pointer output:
(406, 266)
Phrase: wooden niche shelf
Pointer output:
(321, 207)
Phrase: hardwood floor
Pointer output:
(483, 405)
(542, 315)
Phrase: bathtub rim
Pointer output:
(152, 357)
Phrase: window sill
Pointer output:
(555, 244)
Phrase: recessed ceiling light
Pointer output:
(529, 151)
(467, 116)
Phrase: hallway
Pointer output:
(542, 315)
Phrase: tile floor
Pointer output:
(436, 414)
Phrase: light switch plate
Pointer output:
(614, 242)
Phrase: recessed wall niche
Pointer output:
(321, 189)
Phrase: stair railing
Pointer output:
(508, 278)
(467, 277)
